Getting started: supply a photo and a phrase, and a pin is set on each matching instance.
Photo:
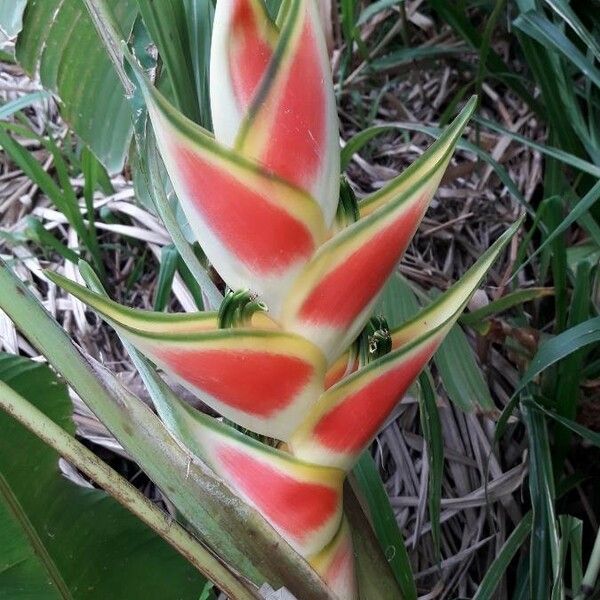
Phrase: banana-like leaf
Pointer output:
(256, 229)
(60, 47)
(335, 564)
(264, 380)
(350, 413)
(302, 501)
(291, 126)
(57, 538)
(332, 298)
(243, 41)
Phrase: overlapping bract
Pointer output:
(261, 195)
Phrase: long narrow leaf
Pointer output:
(384, 523)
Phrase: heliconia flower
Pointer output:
(261, 195)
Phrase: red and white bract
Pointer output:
(243, 42)
(302, 501)
(349, 414)
(257, 229)
(333, 297)
(335, 564)
(262, 379)
(291, 127)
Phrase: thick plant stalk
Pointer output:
(122, 491)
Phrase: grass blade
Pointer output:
(432, 433)
(564, 10)
(10, 108)
(496, 571)
(385, 525)
(516, 298)
(544, 549)
(545, 32)
(587, 434)
(169, 257)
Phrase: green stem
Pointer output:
(122, 491)
(591, 573)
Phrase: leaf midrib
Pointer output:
(15, 508)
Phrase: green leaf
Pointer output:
(59, 44)
(474, 318)
(456, 16)
(376, 7)
(169, 258)
(562, 112)
(564, 10)
(167, 24)
(384, 523)
(60, 540)
(549, 353)
(10, 108)
(495, 572)
(571, 541)
(200, 14)
(375, 577)
(461, 375)
(432, 434)
(537, 26)
(408, 55)
(559, 347)
(565, 157)
(587, 434)
(397, 302)
(570, 369)
(545, 538)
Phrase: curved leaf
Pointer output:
(59, 540)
